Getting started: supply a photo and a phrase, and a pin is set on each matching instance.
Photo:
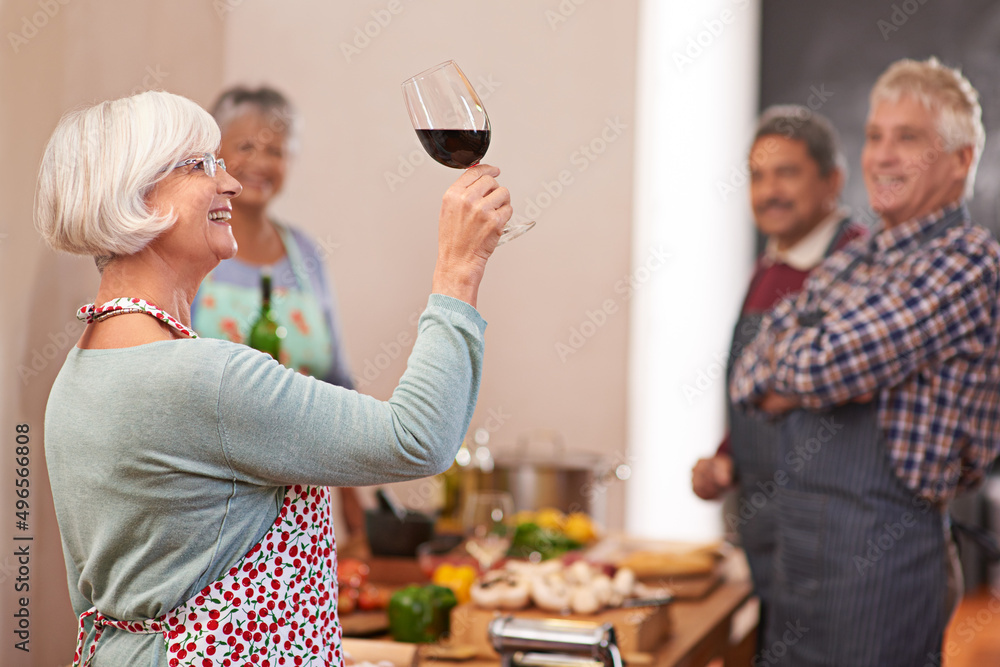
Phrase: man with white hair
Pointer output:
(887, 366)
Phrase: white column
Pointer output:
(696, 104)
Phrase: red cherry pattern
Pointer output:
(277, 607)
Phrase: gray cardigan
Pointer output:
(168, 461)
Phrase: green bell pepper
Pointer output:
(420, 614)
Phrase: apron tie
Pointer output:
(148, 627)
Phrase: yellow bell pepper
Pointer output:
(459, 578)
(550, 518)
(580, 527)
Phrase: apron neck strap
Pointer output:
(294, 257)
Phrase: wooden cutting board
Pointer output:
(638, 629)
(689, 571)
(400, 655)
(365, 623)
(694, 588)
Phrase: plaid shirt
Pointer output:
(911, 314)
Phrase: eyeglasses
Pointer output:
(207, 161)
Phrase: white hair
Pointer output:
(101, 164)
(948, 95)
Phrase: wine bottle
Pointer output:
(266, 334)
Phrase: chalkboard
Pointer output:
(830, 53)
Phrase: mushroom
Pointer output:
(623, 582)
(601, 585)
(500, 590)
(579, 573)
(550, 592)
(584, 601)
(515, 594)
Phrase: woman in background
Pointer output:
(259, 137)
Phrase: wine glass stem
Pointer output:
(511, 232)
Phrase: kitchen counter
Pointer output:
(702, 629)
(701, 632)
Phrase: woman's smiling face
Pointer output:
(202, 208)
(254, 147)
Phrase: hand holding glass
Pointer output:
(487, 521)
(451, 122)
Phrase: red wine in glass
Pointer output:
(455, 148)
(451, 122)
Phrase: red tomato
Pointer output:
(345, 604)
(352, 572)
(373, 597)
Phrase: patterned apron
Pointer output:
(276, 606)
(227, 311)
(754, 445)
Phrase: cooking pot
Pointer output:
(540, 472)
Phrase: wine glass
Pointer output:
(487, 521)
(451, 122)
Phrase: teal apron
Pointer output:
(228, 311)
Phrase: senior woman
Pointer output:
(259, 137)
(189, 474)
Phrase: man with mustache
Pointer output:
(886, 367)
(796, 176)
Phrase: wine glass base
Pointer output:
(511, 232)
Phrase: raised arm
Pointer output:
(278, 427)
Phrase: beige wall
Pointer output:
(550, 85)
(548, 92)
(85, 52)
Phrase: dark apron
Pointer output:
(860, 568)
(860, 565)
(754, 445)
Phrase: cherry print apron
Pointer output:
(276, 606)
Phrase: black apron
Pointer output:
(860, 567)
(754, 444)
(860, 572)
